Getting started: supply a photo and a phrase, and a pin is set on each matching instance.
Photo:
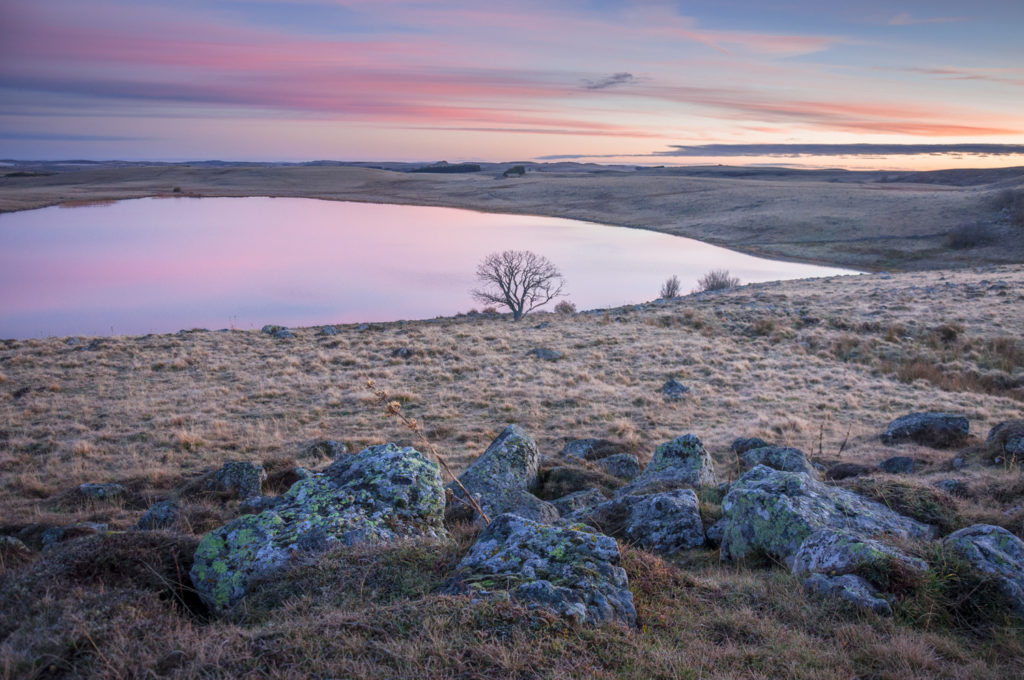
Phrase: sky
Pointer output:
(901, 84)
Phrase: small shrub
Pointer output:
(1011, 202)
(970, 236)
(565, 307)
(670, 288)
(717, 279)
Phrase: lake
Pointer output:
(158, 265)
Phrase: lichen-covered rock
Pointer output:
(241, 478)
(897, 465)
(159, 516)
(835, 552)
(382, 493)
(741, 445)
(257, 504)
(500, 477)
(938, 430)
(851, 588)
(995, 551)
(779, 458)
(682, 462)
(673, 390)
(622, 465)
(578, 500)
(661, 522)
(571, 573)
(772, 512)
(101, 492)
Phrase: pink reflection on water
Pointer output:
(154, 265)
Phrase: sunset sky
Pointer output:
(605, 80)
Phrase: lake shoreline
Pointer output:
(862, 221)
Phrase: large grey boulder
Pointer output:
(380, 494)
(661, 522)
(571, 573)
(849, 587)
(241, 478)
(772, 512)
(501, 478)
(937, 430)
(994, 551)
(682, 462)
(779, 458)
(835, 552)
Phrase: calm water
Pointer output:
(159, 265)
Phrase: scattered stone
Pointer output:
(546, 354)
(673, 390)
(102, 492)
(401, 353)
(270, 329)
(578, 500)
(622, 465)
(55, 535)
(849, 587)
(590, 449)
(773, 512)
(836, 552)
(542, 325)
(568, 572)
(994, 551)
(958, 463)
(159, 516)
(328, 330)
(257, 504)
(380, 494)
(779, 458)
(742, 445)
(847, 470)
(937, 430)
(284, 334)
(897, 465)
(241, 478)
(682, 462)
(363, 327)
(954, 487)
(661, 522)
(501, 478)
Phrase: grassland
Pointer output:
(822, 365)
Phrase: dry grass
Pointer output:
(807, 364)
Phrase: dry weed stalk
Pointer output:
(394, 409)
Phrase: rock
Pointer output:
(673, 390)
(500, 479)
(590, 449)
(328, 448)
(270, 329)
(994, 551)
(578, 500)
(55, 535)
(713, 535)
(378, 495)
(284, 334)
(546, 354)
(772, 512)
(328, 330)
(958, 463)
(835, 552)
(937, 430)
(741, 445)
(847, 470)
(779, 458)
(102, 492)
(514, 171)
(568, 572)
(682, 462)
(240, 478)
(1007, 437)
(159, 516)
(954, 487)
(622, 465)
(401, 353)
(897, 465)
(849, 587)
(661, 522)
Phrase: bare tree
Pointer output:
(518, 279)
(670, 288)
